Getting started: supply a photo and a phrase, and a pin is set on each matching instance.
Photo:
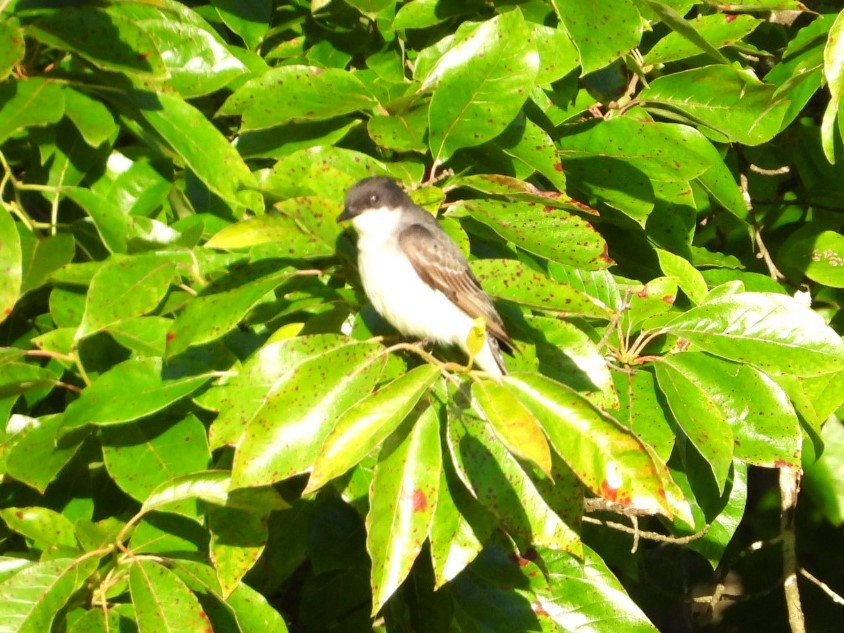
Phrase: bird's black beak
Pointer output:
(347, 214)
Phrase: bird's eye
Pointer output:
(373, 199)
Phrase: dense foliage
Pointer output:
(206, 426)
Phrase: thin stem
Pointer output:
(789, 487)
(836, 598)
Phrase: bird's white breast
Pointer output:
(397, 291)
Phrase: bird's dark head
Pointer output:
(373, 193)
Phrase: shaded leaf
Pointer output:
(107, 40)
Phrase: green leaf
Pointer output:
(140, 456)
(146, 383)
(819, 256)
(302, 228)
(641, 411)
(38, 457)
(11, 270)
(513, 423)
(511, 280)
(833, 68)
(821, 478)
(585, 589)
(291, 93)
(45, 527)
(549, 233)
(620, 29)
(459, 529)
(238, 538)
(609, 459)
(162, 601)
(764, 424)
(500, 483)
(12, 48)
(524, 140)
(254, 614)
(667, 152)
(200, 145)
(696, 411)
(123, 288)
(557, 53)
(705, 33)
(480, 84)
(285, 434)
(42, 257)
(31, 599)
(772, 331)
(687, 276)
(260, 378)
(402, 501)
(197, 60)
(31, 102)
(250, 19)
(402, 132)
(732, 105)
(93, 120)
(212, 486)
(368, 423)
(219, 307)
(145, 336)
(107, 40)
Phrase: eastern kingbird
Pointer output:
(415, 275)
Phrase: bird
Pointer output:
(415, 275)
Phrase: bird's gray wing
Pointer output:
(441, 265)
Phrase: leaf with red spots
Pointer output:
(295, 92)
(163, 602)
(402, 500)
(260, 378)
(10, 264)
(300, 228)
(758, 412)
(602, 30)
(551, 233)
(285, 433)
(608, 458)
(238, 538)
(512, 280)
(124, 288)
(368, 423)
(480, 84)
(460, 528)
(772, 331)
(514, 424)
(503, 486)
